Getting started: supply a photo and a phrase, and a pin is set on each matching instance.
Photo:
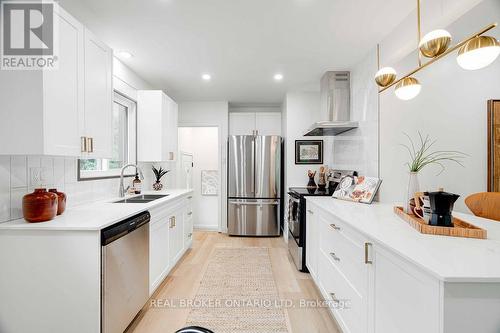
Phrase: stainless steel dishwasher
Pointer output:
(125, 272)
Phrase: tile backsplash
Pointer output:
(19, 175)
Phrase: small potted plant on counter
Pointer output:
(159, 172)
(420, 157)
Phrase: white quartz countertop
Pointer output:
(450, 259)
(96, 216)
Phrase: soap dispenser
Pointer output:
(136, 184)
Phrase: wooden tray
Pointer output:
(460, 228)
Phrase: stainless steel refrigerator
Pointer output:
(254, 185)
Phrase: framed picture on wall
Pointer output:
(308, 151)
(209, 182)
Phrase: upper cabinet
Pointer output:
(98, 97)
(255, 123)
(68, 111)
(156, 126)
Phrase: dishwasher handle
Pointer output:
(120, 229)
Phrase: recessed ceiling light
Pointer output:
(125, 54)
(206, 77)
(278, 77)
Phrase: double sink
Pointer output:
(142, 198)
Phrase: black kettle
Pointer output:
(441, 208)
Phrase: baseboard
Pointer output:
(206, 227)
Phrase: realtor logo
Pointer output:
(28, 32)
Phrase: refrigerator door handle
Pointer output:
(252, 190)
(253, 203)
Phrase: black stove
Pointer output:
(297, 214)
(308, 191)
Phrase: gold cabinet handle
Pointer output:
(334, 226)
(90, 145)
(171, 155)
(367, 261)
(83, 144)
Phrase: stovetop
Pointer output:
(306, 191)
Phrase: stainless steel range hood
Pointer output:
(335, 106)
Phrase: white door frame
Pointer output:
(222, 213)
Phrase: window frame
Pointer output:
(131, 106)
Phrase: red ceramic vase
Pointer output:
(61, 200)
(39, 206)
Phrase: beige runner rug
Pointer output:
(238, 294)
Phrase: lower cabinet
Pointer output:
(159, 261)
(176, 242)
(369, 288)
(167, 241)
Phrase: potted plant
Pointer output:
(421, 156)
(159, 172)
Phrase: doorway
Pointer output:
(202, 144)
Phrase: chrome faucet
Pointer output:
(122, 187)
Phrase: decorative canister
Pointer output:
(40, 206)
(61, 200)
(157, 186)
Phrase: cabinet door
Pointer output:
(176, 237)
(158, 252)
(242, 123)
(403, 296)
(63, 91)
(268, 123)
(98, 95)
(312, 244)
(172, 117)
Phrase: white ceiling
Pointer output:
(241, 43)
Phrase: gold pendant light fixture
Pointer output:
(475, 52)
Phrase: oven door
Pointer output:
(294, 212)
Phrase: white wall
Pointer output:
(451, 108)
(358, 149)
(61, 172)
(202, 114)
(203, 143)
(302, 110)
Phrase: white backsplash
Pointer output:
(358, 149)
(16, 180)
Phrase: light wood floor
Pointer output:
(184, 279)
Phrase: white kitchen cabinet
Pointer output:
(176, 234)
(171, 224)
(268, 123)
(188, 223)
(358, 261)
(403, 296)
(69, 109)
(255, 123)
(50, 120)
(156, 126)
(159, 260)
(342, 271)
(242, 123)
(98, 97)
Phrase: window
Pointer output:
(124, 143)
